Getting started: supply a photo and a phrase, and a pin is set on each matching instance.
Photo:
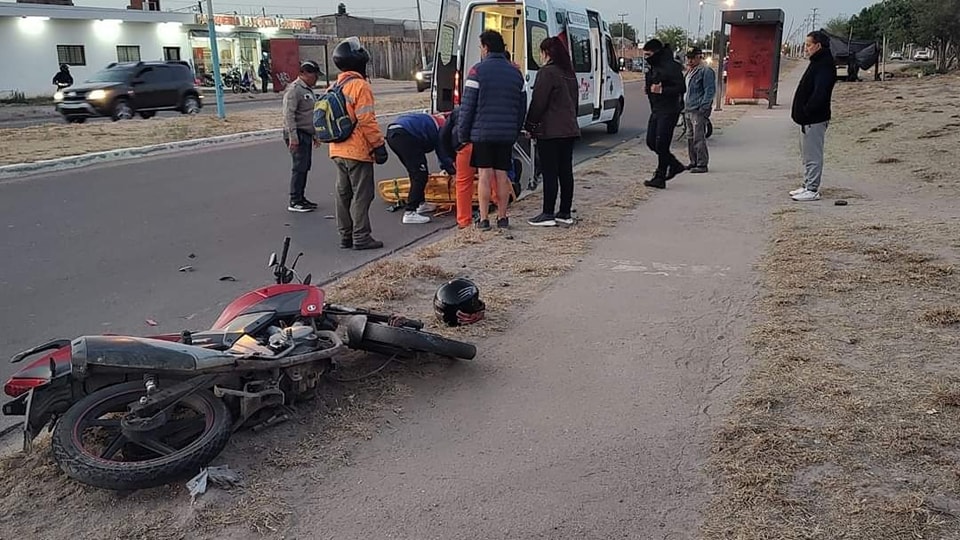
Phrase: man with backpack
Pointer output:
(348, 121)
(298, 132)
(411, 137)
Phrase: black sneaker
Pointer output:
(566, 219)
(699, 170)
(543, 220)
(656, 182)
(503, 223)
(299, 207)
(369, 244)
(483, 224)
(309, 204)
(346, 243)
(672, 172)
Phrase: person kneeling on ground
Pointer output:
(355, 157)
(466, 173)
(552, 121)
(412, 137)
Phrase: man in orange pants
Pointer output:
(466, 175)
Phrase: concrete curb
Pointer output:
(19, 170)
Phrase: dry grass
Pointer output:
(23, 145)
(901, 124)
(848, 426)
(941, 316)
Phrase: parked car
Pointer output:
(896, 55)
(424, 77)
(124, 89)
(923, 55)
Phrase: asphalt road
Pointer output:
(237, 104)
(98, 249)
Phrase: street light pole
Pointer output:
(623, 31)
(645, 20)
(423, 51)
(215, 55)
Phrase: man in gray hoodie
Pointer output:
(698, 102)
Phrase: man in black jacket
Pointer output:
(665, 87)
(811, 111)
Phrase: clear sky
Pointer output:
(667, 12)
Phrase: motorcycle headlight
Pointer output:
(97, 95)
(58, 96)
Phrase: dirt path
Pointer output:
(591, 417)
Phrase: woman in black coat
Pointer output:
(552, 121)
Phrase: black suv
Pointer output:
(125, 89)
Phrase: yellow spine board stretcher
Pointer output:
(441, 190)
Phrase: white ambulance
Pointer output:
(524, 24)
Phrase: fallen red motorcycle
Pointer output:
(135, 412)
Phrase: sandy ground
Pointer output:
(848, 425)
(59, 140)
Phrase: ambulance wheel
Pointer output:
(613, 126)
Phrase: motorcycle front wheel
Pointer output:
(385, 339)
(89, 444)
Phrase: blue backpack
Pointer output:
(331, 116)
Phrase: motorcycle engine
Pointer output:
(297, 334)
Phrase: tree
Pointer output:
(937, 24)
(628, 31)
(838, 26)
(675, 36)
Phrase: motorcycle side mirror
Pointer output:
(306, 280)
(273, 260)
(294, 265)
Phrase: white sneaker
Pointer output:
(797, 191)
(413, 218)
(806, 195)
(426, 208)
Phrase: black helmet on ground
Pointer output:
(458, 302)
(349, 55)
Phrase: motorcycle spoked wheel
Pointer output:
(89, 445)
(396, 340)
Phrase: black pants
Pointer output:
(556, 164)
(264, 81)
(302, 161)
(660, 136)
(410, 152)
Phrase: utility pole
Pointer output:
(623, 31)
(215, 55)
(645, 20)
(700, 23)
(423, 51)
(656, 25)
(813, 19)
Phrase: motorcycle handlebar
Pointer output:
(283, 254)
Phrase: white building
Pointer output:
(37, 38)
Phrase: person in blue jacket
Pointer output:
(492, 114)
(411, 137)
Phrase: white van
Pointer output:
(524, 24)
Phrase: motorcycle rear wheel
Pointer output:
(386, 339)
(176, 449)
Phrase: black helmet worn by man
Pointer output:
(458, 302)
(349, 55)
